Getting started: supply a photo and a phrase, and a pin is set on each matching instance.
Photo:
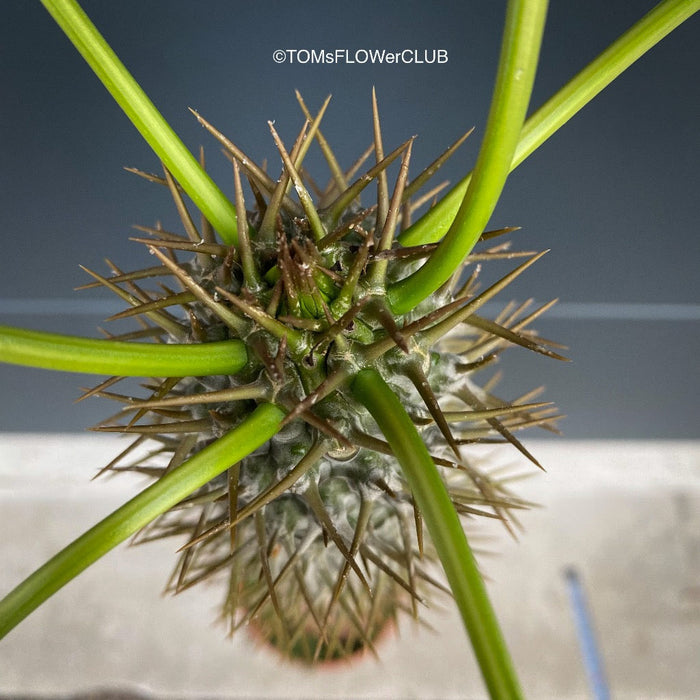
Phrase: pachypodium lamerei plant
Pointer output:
(310, 363)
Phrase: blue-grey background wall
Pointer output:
(613, 194)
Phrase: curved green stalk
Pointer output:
(578, 92)
(139, 511)
(517, 65)
(145, 117)
(561, 107)
(72, 354)
(445, 530)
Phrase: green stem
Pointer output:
(520, 48)
(145, 117)
(71, 354)
(139, 511)
(554, 113)
(633, 44)
(445, 530)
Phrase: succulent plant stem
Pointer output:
(144, 116)
(555, 112)
(446, 532)
(72, 354)
(516, 74)
(262, 424)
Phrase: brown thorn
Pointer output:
(186, 558)
(471, 399)
(179, 244)
(331, 213)
(155, 271)
(345, 297)
(420, 381)
(381, 313)
(355, 167)
(507, 316)
(265, 562)
(424, 176)
(309, 604)
(269, 224)
(414, 252)
(160, 233)
(418, 522)
(346, 227)
(340, 325)
(100, 387)
(382, 184)
(270, 324)
(512, 337)
(161, 319)
(499, 255)
(207, 229)
(248, 165)
(287, 268)
(253, 390)
(488, 235)
(307, 462)
(335, 169)
(250, 271)
(178, 299)
(325, 427)
(186, 426)
(506, 410)
(182, 452)
(185, 217)
(313, 498)
(260, 202)
(132, 446)
(305, 140)
(303, 194)
(239, 325)
(430, 195)
(433, 334)
(360, 528)
(165, 388)
(327, 386)
(304, 324)
(151, 177)
(378, 272)
(213, 530)
(382, 566)
(275, 298)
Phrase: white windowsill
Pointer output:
(626, 514)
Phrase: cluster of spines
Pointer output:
(303, 288)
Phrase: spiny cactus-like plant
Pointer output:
(305, 291)
(309, 366)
